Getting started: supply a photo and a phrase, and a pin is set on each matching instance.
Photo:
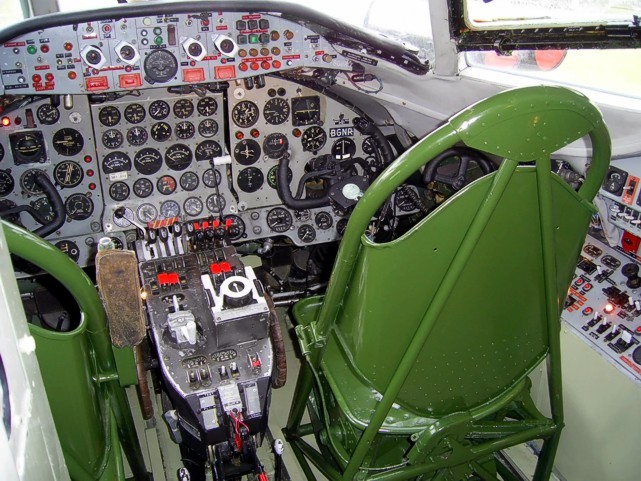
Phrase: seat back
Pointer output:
(467, 303)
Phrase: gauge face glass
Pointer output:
(78, 207)
(343, 148)
(279, 220)
(147, 213)
(207, 106)
(189, 181)
(148, 161)
(306, 233)
(193, 206)
(43, 207)
(314, 139)
(403, 200)
(48, 114)
(68, 142)
(216, 203)
(250, 179)
(123, 221)
(112, 138)
(109, 116)
(184, 130)
(178, 157)
(70, 248)
(6, 183)
(161, 66)
(276, 111)
(169, 208)
(28, 147)
(118, 191)
(324, 220)
(306, 110)
(275, 145)
(235, 226)
(166, 185)
(272, 176)
(302, 215)
(183, 108)
(368, 146)
(160, 131)
(68, 174)
(116, 162)
(135, 113)
(158, 110)
(210, 179)
(208, 150)
(245, 114)
(137, 136)
(247, 152)
(28, 182)
(143, 188)
(208, 128)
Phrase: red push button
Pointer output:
(130, 81)
(194, 74)
(97, 83)
(225, 72)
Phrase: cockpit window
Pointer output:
(11, 12)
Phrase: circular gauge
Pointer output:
(183, 108)
(207, 106)
(112, 139)
(44, 209)
(160, 66)
(28, 182)
(235, 226)
(614, 182)
(158, 110)
(70, 248)
(6, 183)
(184, 130)
(116, 162)
(302, 215)
(189, 181)
(123, 220)
(28, 147)
(148, 161)
(143, 188)
(208, 150)
(1, 152)
(135, 113)
(279, 219)
(208, 127)
(166, 185)
(275, 145)
(68, 142)
(109, 116)
(178, 157)
(210, 179)
(169, 208)
(48, 114)
(368, 146)
(160, 131)
(245, 114)
(306, 110)
(404, 201)
(276, 111)
(216, 203)
(324, 220)
(147, 213)
(78, 207)
(250, 179)
(314, 139)
(68, 174)
(341, 225)
(193, 206)
(306, 233)
(273, 173)
(343, 148)
(119, 191)
(137, 136)
(247, 152)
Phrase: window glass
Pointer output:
(11, 12)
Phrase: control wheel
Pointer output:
(439, 168)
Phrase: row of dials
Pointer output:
(304, 110)
(28, 146)
(66, 174)
(135, 113)
(280, 220)
(192, 206)
(160, 132)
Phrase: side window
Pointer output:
(11, 12)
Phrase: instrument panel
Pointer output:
(136, 123)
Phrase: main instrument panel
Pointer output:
(138, 121)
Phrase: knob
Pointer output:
(631, 271)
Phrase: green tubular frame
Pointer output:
(80, 372)
(513, 126)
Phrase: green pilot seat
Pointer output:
(419, 353)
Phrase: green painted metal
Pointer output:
(90, 408)
(433, 335)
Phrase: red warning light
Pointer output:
(6, 121)
(608, 309)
